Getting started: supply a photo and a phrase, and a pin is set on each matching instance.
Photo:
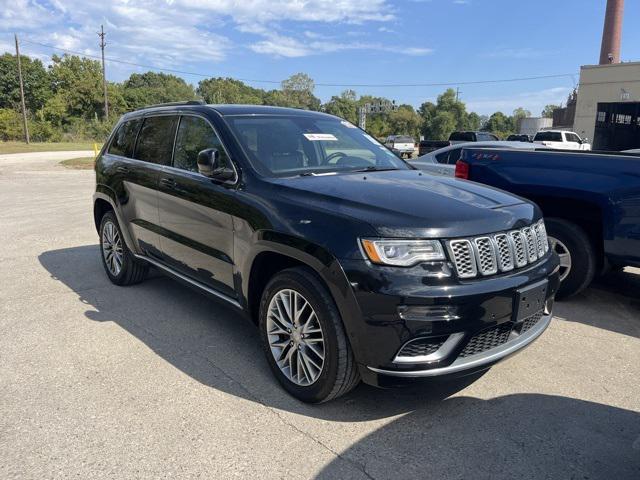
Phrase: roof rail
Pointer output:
(174, 104)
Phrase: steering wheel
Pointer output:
(335, 155)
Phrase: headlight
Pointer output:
(402, 253)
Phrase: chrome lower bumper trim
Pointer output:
(485, 358)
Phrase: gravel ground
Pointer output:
(157, 381)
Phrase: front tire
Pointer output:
(577, 255)
(119, 263)
(303, 337)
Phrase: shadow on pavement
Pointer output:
(612, 302)
(521, 435)
(524, 436)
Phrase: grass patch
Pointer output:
(83, 163)
(21, 147)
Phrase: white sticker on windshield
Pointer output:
(314, 137)
(370, 138)
(348, 124)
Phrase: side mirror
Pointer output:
(210, 165)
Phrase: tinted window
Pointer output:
(463, 136)
(125, 138)
(294, 145)
(195, 135)
(155, 141)
(548, 137)
(454, 156)
(403, 140)
(442, 157)
(572, 137)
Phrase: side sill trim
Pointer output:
(189, 280)
(478, 360)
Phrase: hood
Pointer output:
(408, 203)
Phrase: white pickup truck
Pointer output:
(561, 140)
(401, 144)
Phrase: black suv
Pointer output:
(353, 264)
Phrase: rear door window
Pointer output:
(454, 156)
(195, 135)
(125, 139)
(442, 157)
(155, 141)
(548, 137)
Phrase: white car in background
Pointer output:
(560, 139)
(401, 144)
(443, 161)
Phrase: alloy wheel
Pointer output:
(112, 250)
(295, 337)
(564, 255)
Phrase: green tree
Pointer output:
(151, 88)
(457, 118)
(518, 114)
(78, 84)
(442, 125)
(298, 92)
(228, 90)
(500, 124)
(547, 111)
(344, 106)
(404, 121)
(37, 87)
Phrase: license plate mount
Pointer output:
(530, 300)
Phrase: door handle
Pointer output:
(168, 183)
(121, 169)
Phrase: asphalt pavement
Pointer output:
(158, 381)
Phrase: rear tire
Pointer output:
(118, 261)
(284, 337)
(568, 238)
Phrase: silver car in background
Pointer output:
(443, 161)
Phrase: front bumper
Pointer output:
(468, 325)
(478, 361)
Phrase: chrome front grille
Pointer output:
(463, 258)
(501, 252)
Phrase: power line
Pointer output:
(320, 84)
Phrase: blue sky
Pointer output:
(339, 42)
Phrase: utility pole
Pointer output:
(24, 108)
(457, 93)
(104, 78)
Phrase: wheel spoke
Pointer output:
(295, 337)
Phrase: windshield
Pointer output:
(303, 145)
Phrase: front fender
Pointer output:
(316, 257)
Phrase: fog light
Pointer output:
(434, 313)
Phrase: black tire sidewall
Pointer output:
(583, 262)
(327, 316)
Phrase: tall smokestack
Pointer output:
(611, 33)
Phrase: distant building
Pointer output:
(564, 117)
(532, 125)
(608, 106)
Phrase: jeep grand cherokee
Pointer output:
(354, 265)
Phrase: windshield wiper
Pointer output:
(375, 169)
